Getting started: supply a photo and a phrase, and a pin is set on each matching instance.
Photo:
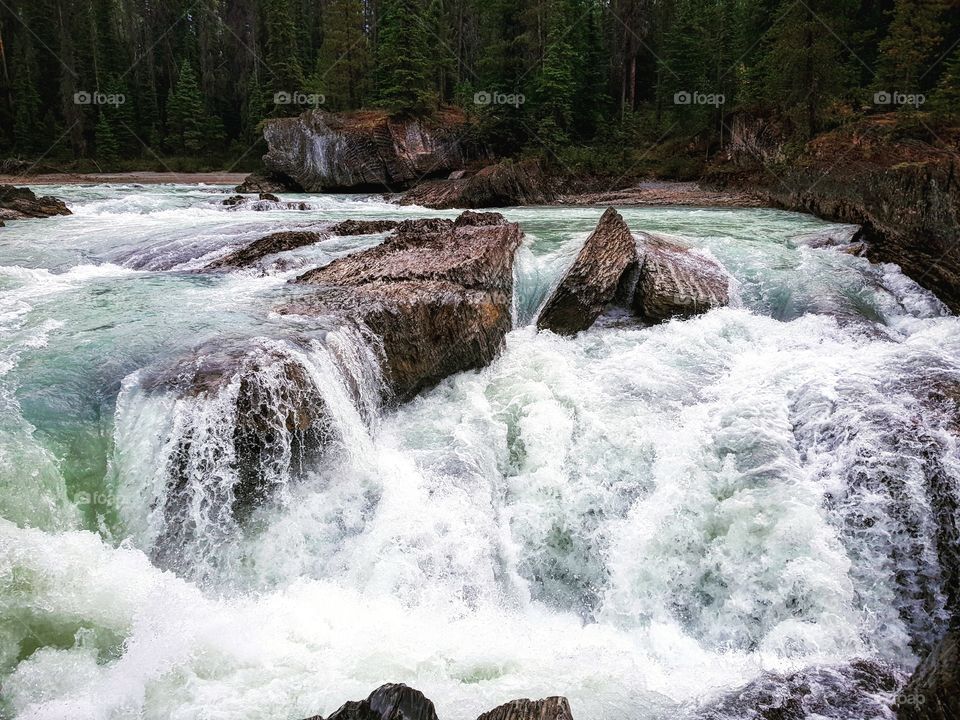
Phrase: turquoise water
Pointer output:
(637, 517)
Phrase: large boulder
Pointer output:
(20, 203)
(394, 701)
(365, 150)
(436, 293)
(933, 692)
(363, 227)
(551, 708)
(855, 690)
(594, 278)
(502, 185)
(265, 182)
(676, 281)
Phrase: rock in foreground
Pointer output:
(933, 692)
(676, 281)
(268, 245)
(594, 278)
(551, 708)
(20, 203)
(437, 294)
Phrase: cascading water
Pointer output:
(639, 518)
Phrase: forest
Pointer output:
(177, 83)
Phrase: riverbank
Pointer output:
(128, 178)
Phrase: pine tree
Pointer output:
(187, 121)
(555, 84)
(914, 35)
(343, 62)
(403, 65)
(108, 149)
(945, 100)
(26, 109)
(282, 58)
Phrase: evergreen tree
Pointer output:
(343, 62)
(555, 85)
(108, 149)
(26, 108)
(403, 65)
(282, 58)
(906, 51)
(945, 100)
(188, 125)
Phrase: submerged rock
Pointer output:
(675, 281)
(20, 203)
(551, 708)
(861, 689)
(387, 702)
(594, 278)
(502, 185)
(933, 692)
(268, 245)
(365, 150)
(438, 295)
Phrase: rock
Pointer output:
(387, 702)
(437, 294)
(594, 278)
(265, 182)
(363, 227)
(20, 203)
(933, 691)
(551, 708)
(502, 185)
(675, 281)
(364, 150)
(855, 690)
(268, 245)
(265, 201)
(269, 196)
(235, 200)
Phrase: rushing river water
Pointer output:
(639, 518)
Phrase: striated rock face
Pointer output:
(594, 278)
(674, 281)
(437, 293)
(502, 185)
(933, 692)
(264, 182)
(365, 150)
(861, 689)
(268, 245)
(387, 702)
(551, 708)
(19, 203)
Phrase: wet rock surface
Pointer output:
(676, 281)
(265, 182)
(268, 245)
(364, 150)
(594, 278)
(21, 203)
(933, 692)
(861, 689)
(363, 227)
(551, 708)
(437, 293)
(502, 185)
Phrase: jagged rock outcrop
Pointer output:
(591, 283)
(675, 281)
(551, 708)
(387, 702)
(263, 202)
(21, 203)
(905, 193)
(437, 293)
(268, 245)
(366, 150)
(502, 185)
(363, 227)
(856, 690)
(399, 702)
(265, 182)
(933, 691)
